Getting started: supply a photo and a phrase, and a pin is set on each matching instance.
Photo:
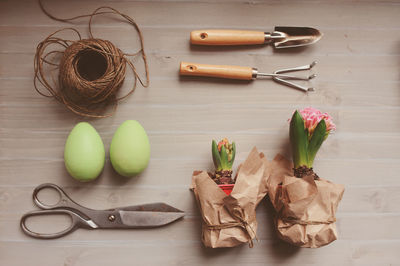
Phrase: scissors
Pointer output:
(138, 216)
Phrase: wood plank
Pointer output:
(165, 65)
(356, 200)
(192, 14)
(44, 146)
(172, 172)
(349, 41)
(264, 92)
(172, 252)
(236, 119)
(350, 227)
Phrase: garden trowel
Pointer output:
(281, 37)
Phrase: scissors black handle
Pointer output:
(65, 206)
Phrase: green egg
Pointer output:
(130, 149)
(84, 154)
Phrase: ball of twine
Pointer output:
(91, 71)
(86, 86)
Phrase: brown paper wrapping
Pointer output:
(305, 207)
(228, 221)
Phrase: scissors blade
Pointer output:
(138, 216)
(147, 219)
(148, 215)
(151, 207)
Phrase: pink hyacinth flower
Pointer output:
(312, 117)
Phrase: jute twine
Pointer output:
(306, 222)
(240, 222)
(91, 71)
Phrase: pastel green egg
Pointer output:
(130, 149)
(84, 154)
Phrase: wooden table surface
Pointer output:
(358, 83)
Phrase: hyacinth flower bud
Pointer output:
(223, 155)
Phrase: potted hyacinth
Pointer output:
(309, 128)
(305, 204)
(223, 155)
(229, 217)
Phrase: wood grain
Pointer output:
(358, 83)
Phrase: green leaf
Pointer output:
(224, 158)
(233, 155)
(316, 141)
(215, 155)
(298, 140)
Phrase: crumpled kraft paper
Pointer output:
(228, 221)
(305, 207)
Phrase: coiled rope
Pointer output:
(91, 71)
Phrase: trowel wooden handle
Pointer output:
(226, 37)
(217, 71)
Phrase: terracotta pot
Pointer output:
(227, 188)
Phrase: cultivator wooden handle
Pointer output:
(217, 71)
(227, 37)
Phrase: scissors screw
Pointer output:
(111, 218)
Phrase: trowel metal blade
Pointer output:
(296, 36)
